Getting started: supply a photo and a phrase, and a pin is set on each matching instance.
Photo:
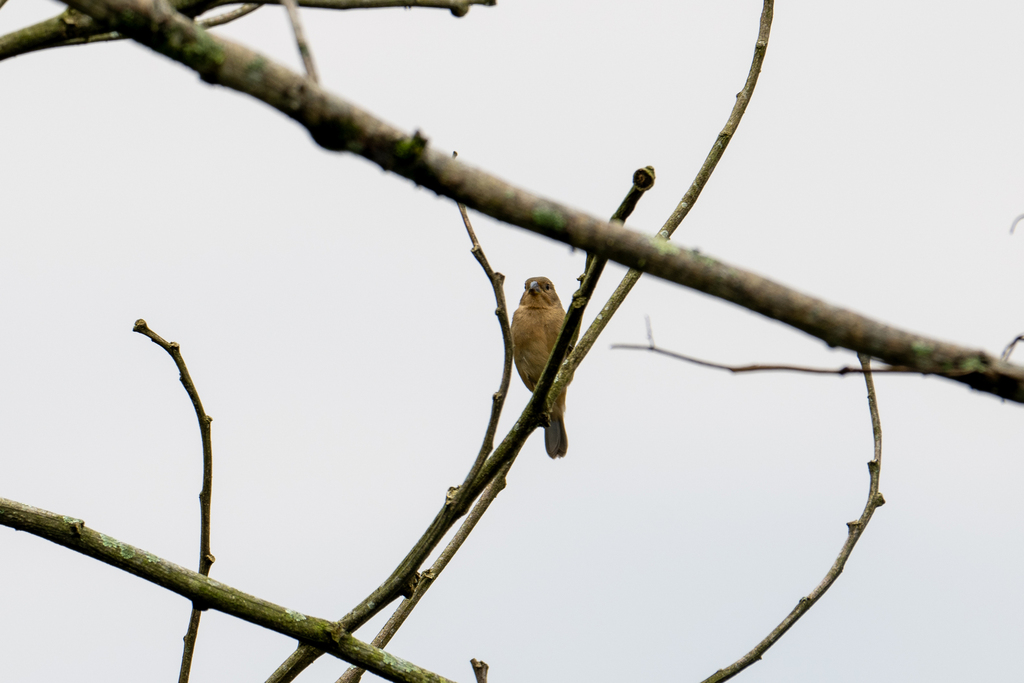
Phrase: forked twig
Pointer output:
(428, 577)
(854, 531)
(206, 558)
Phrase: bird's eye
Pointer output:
(547, 286)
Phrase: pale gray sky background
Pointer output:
(342, 337)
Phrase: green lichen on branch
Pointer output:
(410, 149)
(973, 364)
(664, 247)
(922, 349)
(548, 217)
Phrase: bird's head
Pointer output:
(540, 293)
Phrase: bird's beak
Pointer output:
(534, 287)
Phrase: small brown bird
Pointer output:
(535, 327)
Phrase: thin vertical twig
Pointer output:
(854, 531)
(300, 39)
(497, 281)
(206, 558)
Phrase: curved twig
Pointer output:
(854, 531)
(1016, 220)
(694, 191)
(498, 399)
(73, 534)
(206, 558)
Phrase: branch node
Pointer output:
(76, 525)
(410, 586)
(879, 500)
(453, 491)
(336, 632)
(479, 670)
(854, 525)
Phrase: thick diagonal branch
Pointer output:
(338, 125)
(325, 635)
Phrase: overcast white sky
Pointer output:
(342, 337)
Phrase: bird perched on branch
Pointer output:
(535, 327)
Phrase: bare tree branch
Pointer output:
(428, 577)
(338, 125)
(202, 590)
(854, 531)
(211, 22)
(643, 180)
(74, 28)
(300, 39)
(206, 558)
(845, 370)
(497, 281)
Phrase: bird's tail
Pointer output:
(556, 441)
